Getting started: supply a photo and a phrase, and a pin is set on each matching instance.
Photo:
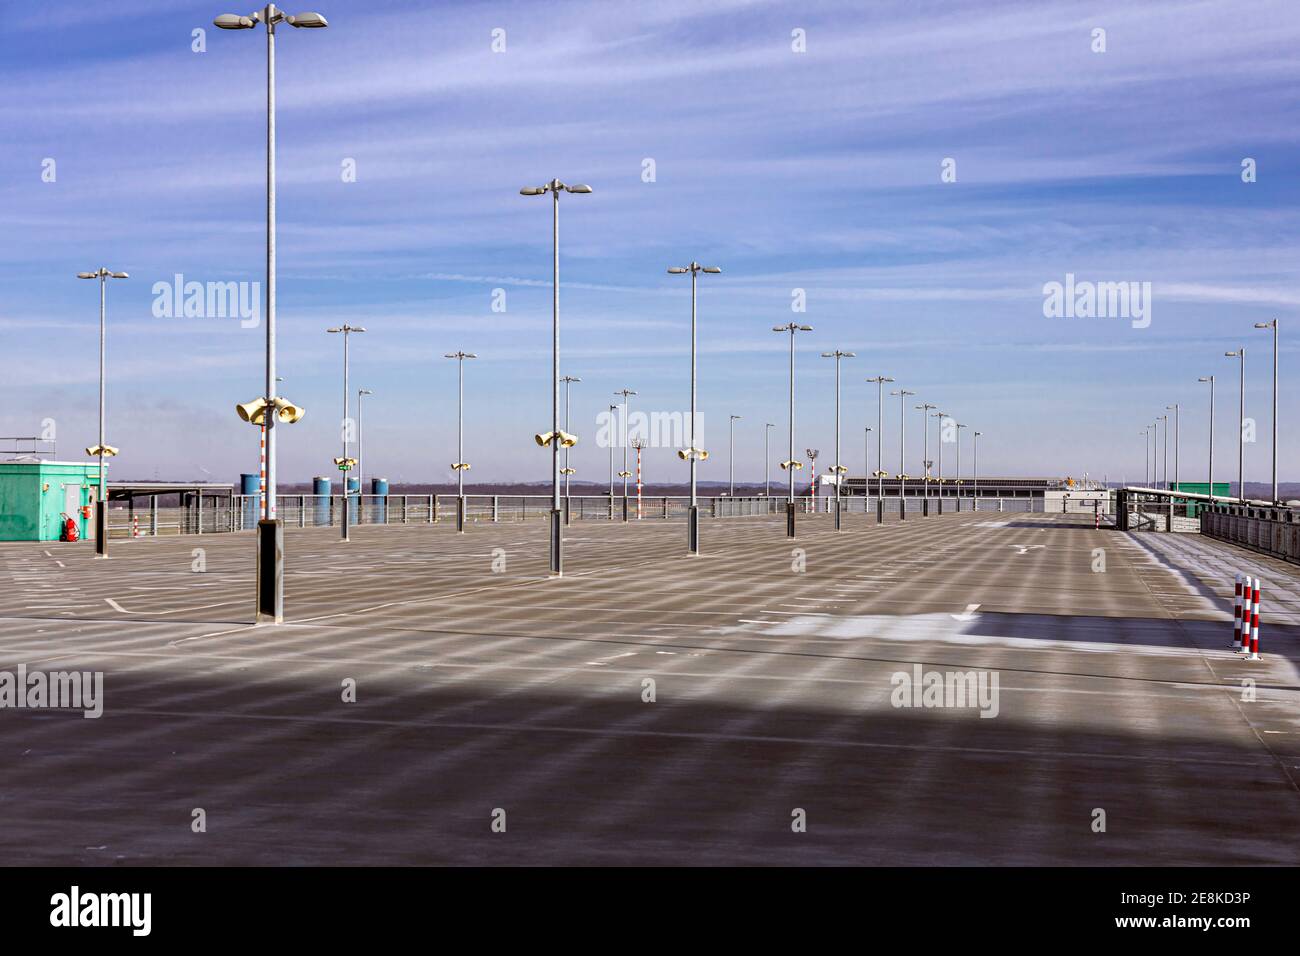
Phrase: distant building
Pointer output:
(37, 497)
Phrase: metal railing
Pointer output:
(241, 512)
(1270, 530)
(1138, 510)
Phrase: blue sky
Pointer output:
(817, 170)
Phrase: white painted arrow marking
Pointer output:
(967, 614)
(1025, 548)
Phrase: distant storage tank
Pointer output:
(320, 488)
(250, 486)
(379, 488)
(354, 501)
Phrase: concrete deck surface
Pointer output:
(482, 689)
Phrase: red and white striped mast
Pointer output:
(638, 444)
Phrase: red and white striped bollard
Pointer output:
(1236, 615)
(1254, 623)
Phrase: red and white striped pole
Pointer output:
(1254, 623)
(638, 444)
(135, 527)
(1246, 596)
(1236, 615)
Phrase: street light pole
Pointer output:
(1176, 430)
(791, 464)
(902, 394)
(939, 443)
(624, 474)
(102, 449)
(958, 427)
(361, 488)
(270, 536)
(880, 381)
(345, 429)
(568, 471)
(1157, 443)
(692, 453)
(1210, 379)
(975, 471)
(1151, 458)
(1164, 453)
(839, 468)
(1155, 453)
(613, 410)
(731, 458)
(924, 409)
(866, 462)
(554, 438)
(1273, 325)
(460, 466)
(767, 461)
(1241, 421)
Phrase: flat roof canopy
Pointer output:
(124, 490)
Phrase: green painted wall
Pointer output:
(1221, 488)
(1199, 487)
(34, 496)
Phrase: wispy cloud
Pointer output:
(815, 171)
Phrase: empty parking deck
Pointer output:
(482, 685)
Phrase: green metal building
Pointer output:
(36, 495)
(1221, 490)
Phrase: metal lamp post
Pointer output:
(1158, 443)
(811, 506)
(1155, 453)
(639, 444)
(1175, 409)
(767, 460)
(1273, 325)
(880, 381)
(692, 453)
(975, 471)
(839, 468)
(1151, 457)
(959, 427)
(103, 449)
(361, 447)
(613, 410)
(624, 474)
(939, 442)
(791, 464)
(460, 465)
(1164, 452)
(731, 457)
(866, 462)
(1210, 379)
(902, 394)
(924, 409)
(270, 534)
(346, 428)
(1241, 419)
(554, 438)
(567, 470)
